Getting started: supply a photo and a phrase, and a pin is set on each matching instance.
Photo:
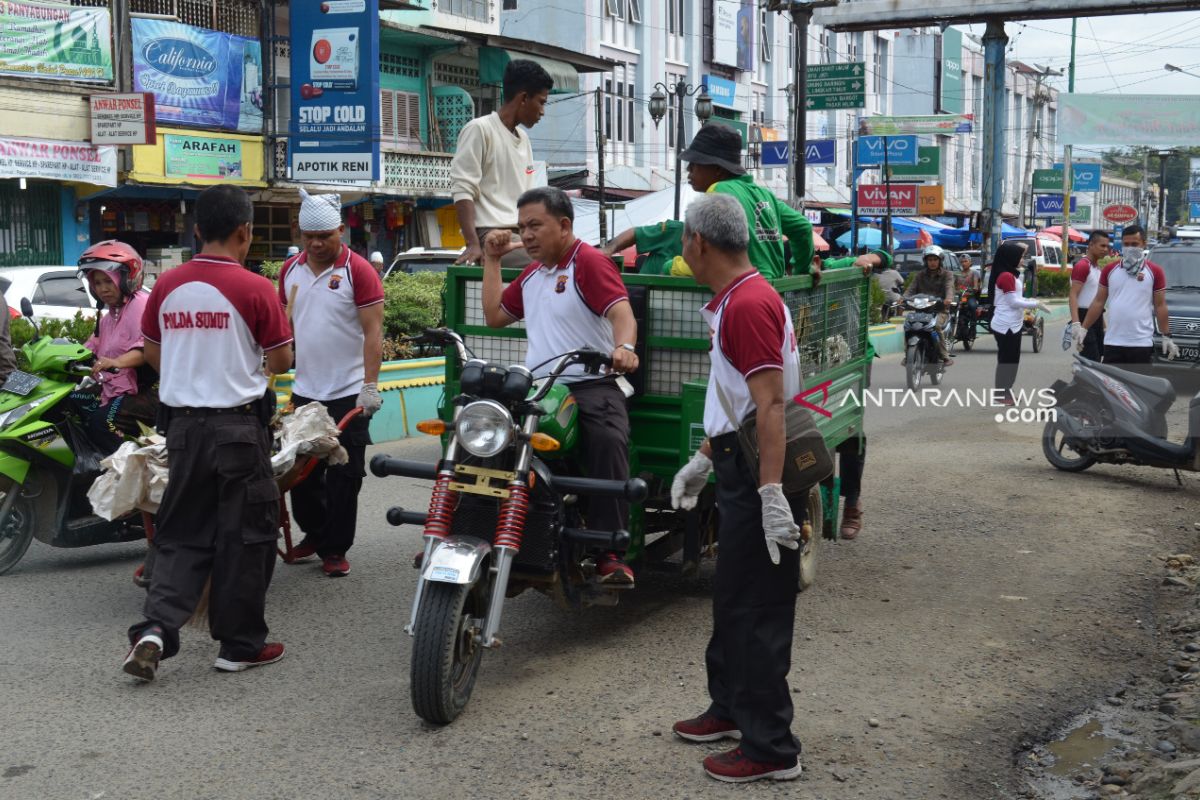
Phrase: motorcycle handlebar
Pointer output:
(382, 466)
(398, 516)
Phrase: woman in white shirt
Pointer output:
(1008, 315)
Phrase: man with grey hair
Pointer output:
(572, 297)
(755, 370)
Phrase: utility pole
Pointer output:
(1068, 169)
(995, 118)
(600, 163)
(1039, 100)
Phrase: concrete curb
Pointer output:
(888, 338)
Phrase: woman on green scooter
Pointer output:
(127, 392)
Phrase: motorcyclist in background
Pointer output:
(130, 394)
(938, 281)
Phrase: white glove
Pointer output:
(1170, 349)
(369, 399)
(1079, 334)
(1043, 306)
(689, 482)
(779, 527)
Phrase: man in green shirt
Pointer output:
(714, 165)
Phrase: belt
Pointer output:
(246, 409)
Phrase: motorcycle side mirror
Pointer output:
(26, 308)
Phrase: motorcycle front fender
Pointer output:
(456, 559)
(14, 467)
(913, 340)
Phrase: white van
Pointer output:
(1046, 251)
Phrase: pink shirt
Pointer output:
(120, 332)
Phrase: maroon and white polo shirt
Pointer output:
(564, 307)
(1130, 308)
(213, 319)
(752, 331)
(329, 334)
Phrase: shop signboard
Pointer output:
(734, 23)
(873, 200)
(1143, 119)
(820, 152)
(1119, 213)
(721, 91)
(931, 200)
(929, 124)
(58, 161)
(55, 42)
(333, 132)
(123, 118)
(202, 157)
(899, 150)
(952, 90)
(1051, 205)
(200, 78)
(927, 168)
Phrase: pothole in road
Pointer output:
(1080, 747)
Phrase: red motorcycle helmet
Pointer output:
(114, 256)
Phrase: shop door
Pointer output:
(30, 224)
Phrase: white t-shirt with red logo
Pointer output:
(1130, 307)
(564, 307)
(1088, 274)
(752, 331)
(329, 334)
(213, 320)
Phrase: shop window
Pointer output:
(61, 289)
(471, 9)
(30, 224)
(400, 119)
(273, 232)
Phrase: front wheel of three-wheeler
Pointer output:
(446, 651)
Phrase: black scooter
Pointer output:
(1114, 416)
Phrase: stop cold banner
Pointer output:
(199, 78)
(334, 130)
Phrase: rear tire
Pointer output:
(1059, 453)
(445, 655)
(1039, 334)
(16, 531)
(915, 366)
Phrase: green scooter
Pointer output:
(41, 496)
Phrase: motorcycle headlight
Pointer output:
(484, 428)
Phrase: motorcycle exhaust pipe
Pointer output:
(382, 466)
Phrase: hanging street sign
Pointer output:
(835, 86)
(1051, 205)
(900, 150)
(936, 124)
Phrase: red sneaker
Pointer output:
(303, 550)
(612, 571)
(706, 728)
(142, 661)
(335, 566)
(736, 767)
(271, 652)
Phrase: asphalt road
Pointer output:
(987, 598)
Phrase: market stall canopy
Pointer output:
(1056, 232)
(819, 243)
(867, 237)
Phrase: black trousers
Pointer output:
(754, 608)
(325, 504)
(851, 460)
(604, 452)
(1117, 354)
(1008, 358)
(220, 518)
(1093, 343)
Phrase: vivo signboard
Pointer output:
(899, 150)
(880, 14)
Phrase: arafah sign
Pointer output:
(200, 78)
(333, 134)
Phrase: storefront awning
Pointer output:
(400, 35)
(494, 60)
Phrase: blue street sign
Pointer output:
(820, 152)
(901, 150)
(1084, 177)
(1050, 205)
(775, 154)
(1193, 195)
(1193, 211)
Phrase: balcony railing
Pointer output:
(420, 174)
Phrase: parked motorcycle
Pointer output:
(921, 335)
(1114, 416)
(41, 496)
(503, 517)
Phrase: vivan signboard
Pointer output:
(873, 200)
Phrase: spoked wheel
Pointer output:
(809, 537)
(16, 531)
(446, 651)
(1056, 444)
(1039, 334)
(914, 366)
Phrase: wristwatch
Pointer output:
(629, 347)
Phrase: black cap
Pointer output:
(719, 145)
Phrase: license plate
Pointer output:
(21, 383)
(1189, 354)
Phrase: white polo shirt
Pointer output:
(329, 335)
(751, 331)
(1088, 274)
(1130, 308)
(213, 320)
(564, 307)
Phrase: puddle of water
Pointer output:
(1081, 746)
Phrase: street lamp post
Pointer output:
(1173, 68)
(658, 109)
